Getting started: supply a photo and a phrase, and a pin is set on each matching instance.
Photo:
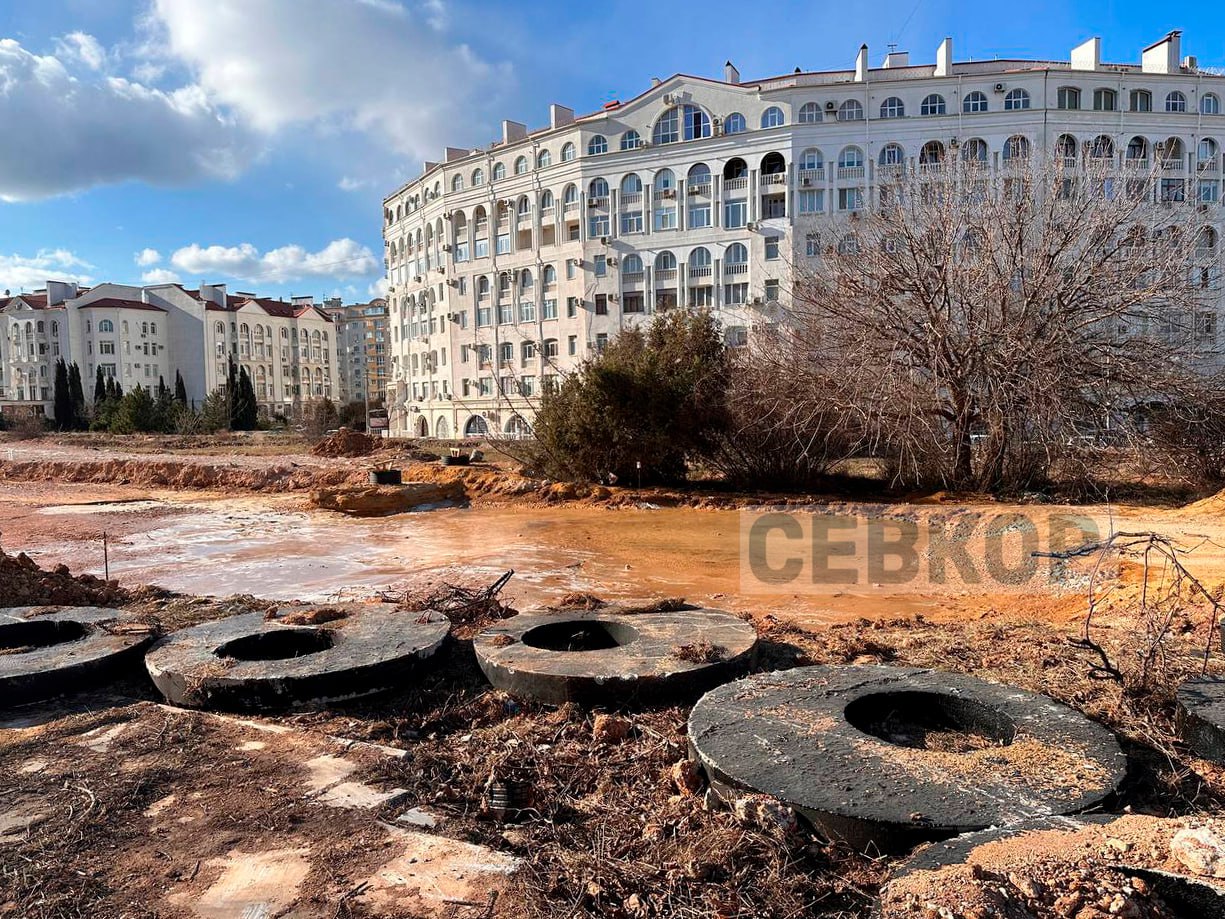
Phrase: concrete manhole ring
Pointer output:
(250, 662)
(606, 657)
(1201, 717)
(888, 756)
(1103, 835)
(46, 651)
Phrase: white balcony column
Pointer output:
(754, 191)
(716, 200)
(682, 204)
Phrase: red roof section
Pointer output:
(35, 301)
(116, 303)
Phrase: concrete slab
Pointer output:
(253, 885)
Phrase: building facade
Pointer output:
(143, 335)
(508, 266)
(364, 353)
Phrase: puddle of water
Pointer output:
(101, 507)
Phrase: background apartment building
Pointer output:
(363, 335)
(509, 265)
(140, 335)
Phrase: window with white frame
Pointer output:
(597, 145)
(631, 140)
(499, 171)
(772, 117)
(568, 152)
(681, 122)
(974, 103)
(1175, 102)
(1141, 100)
(932, 104)
(1016, 100)
(810, 113)
(1209, 104)
(735, 124)
(521, 166)
(1105, 100)
(850, 110)
(811, 200)
(893, 107)
(1067, 98)
(544, 158)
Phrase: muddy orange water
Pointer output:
(272, 547)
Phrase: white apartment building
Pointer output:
(140, 335)
(511, 264)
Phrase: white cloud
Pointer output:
(29, 272)
(378, 288)
(336, 64)
(341, 258)
(147, 257)
(160, 276)
(80, 131)
(348, 183)
(82, 47)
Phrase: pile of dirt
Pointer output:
(1084, 872)
(23, 583)
(345, 442)
(183, 475)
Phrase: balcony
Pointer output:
(546, 213)
(628, 201)
(850, 172)
(812, 176)
(1174, 167)
(700, 271)
(665, 274)
(597, 202)
(1137, 162)
(736, 184)
(774, 178)
(633, 277)
(735, 269)
(700, 191)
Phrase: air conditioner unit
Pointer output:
(417, 279)
(593, 202)
(574, 261)
(670, 99)
(452, 282)
(757, 301)
(806, 182)
(750, 226)
(446, 247)
(442, 270)
(603, 240)
(614, 297)
(1000, 87)
(448, 215)
(668, 193)
(612, 262)
(830, 107)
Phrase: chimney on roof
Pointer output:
(944, 58)
(1190, 62)
(730, 73)
(1087, 55)
(559, 115)
(1163, 56)
(655, 81)
(455, 153)
(512, 131)
(897, 59)
(861, 64)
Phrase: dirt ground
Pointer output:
(452, 799)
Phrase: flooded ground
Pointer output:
(273, 547)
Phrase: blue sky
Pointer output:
(251, 141)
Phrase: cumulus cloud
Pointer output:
(77, 132)
(146, 257)
(33, 271)
(348, 183)
(82, 47)
(334, 63)
(160, 276)
(341, 258)
(378, 288)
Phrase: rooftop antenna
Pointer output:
(892, 46)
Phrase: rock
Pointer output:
(610, 729)
(765, 812)
(1200, 851)
(686, 777)
(382, 500)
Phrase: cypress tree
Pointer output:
(77, 392)
(63, 397)
(99, 388)
(180, 388)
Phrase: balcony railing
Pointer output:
(633, 277)
(850, 172)
(811, 176)
(700, 271)
(733, 269)
(1209, 166)
(597, 202)
(736, 184)
(700, 191)
(665, 274)
(570, 207)
(774, 178)
(631, 200)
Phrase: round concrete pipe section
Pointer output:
(49, 651)
(886, 757)
(1029, 866)
(248, 662)
(610, 658)
(1201, 717)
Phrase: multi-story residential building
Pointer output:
(140, 335)
(364, 353)
(511, 264)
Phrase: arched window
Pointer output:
(736, 254)
(1105, 100)
(499, 171)
(1175, 102)
(665, 261)
(570, 195)
(893, 107)
(525, 280)
(773, 164)
(55, 328)
(480, 220)
(665, 180)
(631, 185)
(699, 174)
(1208, 151)
(892, 155)
(631, 264)
(1016, 148)
(597, 189)
(1173, 152)
(811, 159)
(850, 110)
(524, 207)
(544, 158)
(932, 105)
(699, 257)
(1209, 104)
(1137, 149)
(106, 326)
(974, 150)
(546, 200)
(1102, 148)
(734, 124)
(1066, 147)
(772, 117)
(457, 183)
(1206, 238)
(810, 113)
(221, 328)
(850, 158)
(1066, 98)
(681, 122)
(548, 277)
(597, 145)
(1016, 100)
(476, 427)
(482, 287)
(478, 177)
(735, 168)
(974, 102)
(932, 153)
(567, 152)
(631, 140)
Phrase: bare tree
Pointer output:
(976, 324)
